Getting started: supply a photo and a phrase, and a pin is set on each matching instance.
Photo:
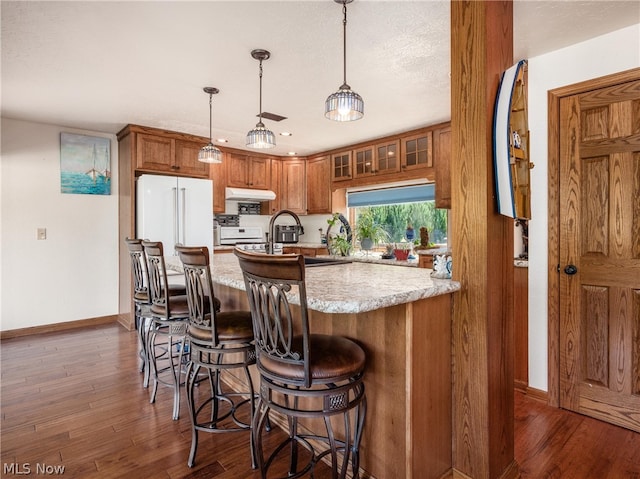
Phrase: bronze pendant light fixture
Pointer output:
(210, 153)
(345, 104)
(260, 137)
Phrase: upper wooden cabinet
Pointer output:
(246, 171)
(156, 153)
(417, 151)
(379, 159)
(341, 166)
(387, 157)
(319, 185)
(442, 153)
(293, 186)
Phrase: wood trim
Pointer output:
(553, 188)
(483, 407)
(57, 327)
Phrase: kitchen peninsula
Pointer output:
(402, 318)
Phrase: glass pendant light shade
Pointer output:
(210, 153)
(345, 104)
(260, 137)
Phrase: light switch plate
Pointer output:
(42, 233)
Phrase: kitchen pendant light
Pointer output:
(345, 104)
(260, 137)
(210, 153)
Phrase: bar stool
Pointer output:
(302, 375)
(169, 316)
(142, 301)
(219, 341)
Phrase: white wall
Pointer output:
(611, 53)
(73, 274)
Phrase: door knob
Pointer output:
(570, 269)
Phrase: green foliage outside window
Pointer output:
(395, 219)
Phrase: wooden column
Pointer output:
(483, 442)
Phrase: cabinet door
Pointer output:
(276, 186)
(341, 166)
(237, 170)
(442, 160)
(319, 185)
(218, 175)
(387, 157)
(186, 160)
(154, 153)
(363, 162)
(417, 151)
(259, 173)
(294, 186)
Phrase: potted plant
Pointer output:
(368, 232)
(402, 250)
(339, 243)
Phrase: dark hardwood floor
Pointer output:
(74, 400)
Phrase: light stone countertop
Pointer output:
(346, 288)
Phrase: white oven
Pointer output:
(241, 234)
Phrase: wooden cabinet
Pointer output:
(273, 206)
(417, 151)
(246, 171)
(341, 166)
(293, 186)
(167, 154)
(387, 157)
(442, 161)
(319, 185)
(363, 163)
(218, 176)
(379, 159)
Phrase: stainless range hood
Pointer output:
(245, 194)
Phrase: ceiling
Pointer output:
(101, 65)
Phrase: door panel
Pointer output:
(600, 237)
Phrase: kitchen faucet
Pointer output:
(272, 227)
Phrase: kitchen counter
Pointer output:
(354, 287)
(402, 319)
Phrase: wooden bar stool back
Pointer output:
(302, 375)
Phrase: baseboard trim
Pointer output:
(538, 394)
(56, 327)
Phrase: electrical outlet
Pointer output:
(42, 233)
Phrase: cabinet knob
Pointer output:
(570, 269)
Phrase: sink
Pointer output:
(315, 261)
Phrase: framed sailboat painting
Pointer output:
(85, 164)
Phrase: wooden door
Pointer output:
(599, 253)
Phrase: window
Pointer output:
(400, 207)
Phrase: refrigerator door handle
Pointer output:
(184, 215)
(175, 218)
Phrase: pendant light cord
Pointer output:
(260, 112)
(344, 44)
(210, 118)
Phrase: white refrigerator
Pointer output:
(174, 210)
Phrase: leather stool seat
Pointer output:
(331, 358)
(231, 326)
